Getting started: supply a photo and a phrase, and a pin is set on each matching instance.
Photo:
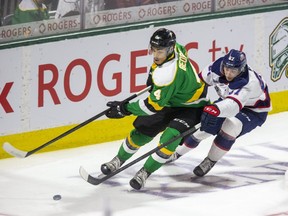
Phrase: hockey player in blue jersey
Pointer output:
(242, 106)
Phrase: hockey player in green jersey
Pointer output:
(174, 105)
(31, 11)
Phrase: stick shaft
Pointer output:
(180, 136)
(82, 124)
(67, 133)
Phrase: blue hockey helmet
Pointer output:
(235, 60)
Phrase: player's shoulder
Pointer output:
(216, 67)
(181, 48)
(254, 77)
(165, 74)
(27, 5)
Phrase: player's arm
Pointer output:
(211, 72)
(163, 89)
(232, 104)
(149, 106)
(157, 99)
(225, 108)
(206, 75)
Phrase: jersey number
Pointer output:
(157, 94)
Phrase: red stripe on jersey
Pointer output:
(237, 101)
(200, 76)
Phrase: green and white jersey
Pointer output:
(29, 11)
(175, 84)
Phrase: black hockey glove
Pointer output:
(117, 110)
(210, 122)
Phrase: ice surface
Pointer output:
(248, 181)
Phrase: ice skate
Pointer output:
(204, 167)
(173, 158)
(138, 181)
(111, 166)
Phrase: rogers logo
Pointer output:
(142, 13)
(42, 28)
(186, 7)
(222, 3)
(96, 19)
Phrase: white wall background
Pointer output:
(21, 66)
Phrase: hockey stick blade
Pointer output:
(14, 151)
(83, 173)
(89, 178)
(98, 180)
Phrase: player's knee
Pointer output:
(224, 141)
(191, 142)
(167, 136)
(230, 130)
(232, 127)
(139, 138)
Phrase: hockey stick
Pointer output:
(22, 154)
(96, 180)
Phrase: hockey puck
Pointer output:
(57, 197)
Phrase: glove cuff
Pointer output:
(212, 110)
(124, 109)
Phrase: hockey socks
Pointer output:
(132, 143)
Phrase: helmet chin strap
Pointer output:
(169, 52)
(242, 71)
